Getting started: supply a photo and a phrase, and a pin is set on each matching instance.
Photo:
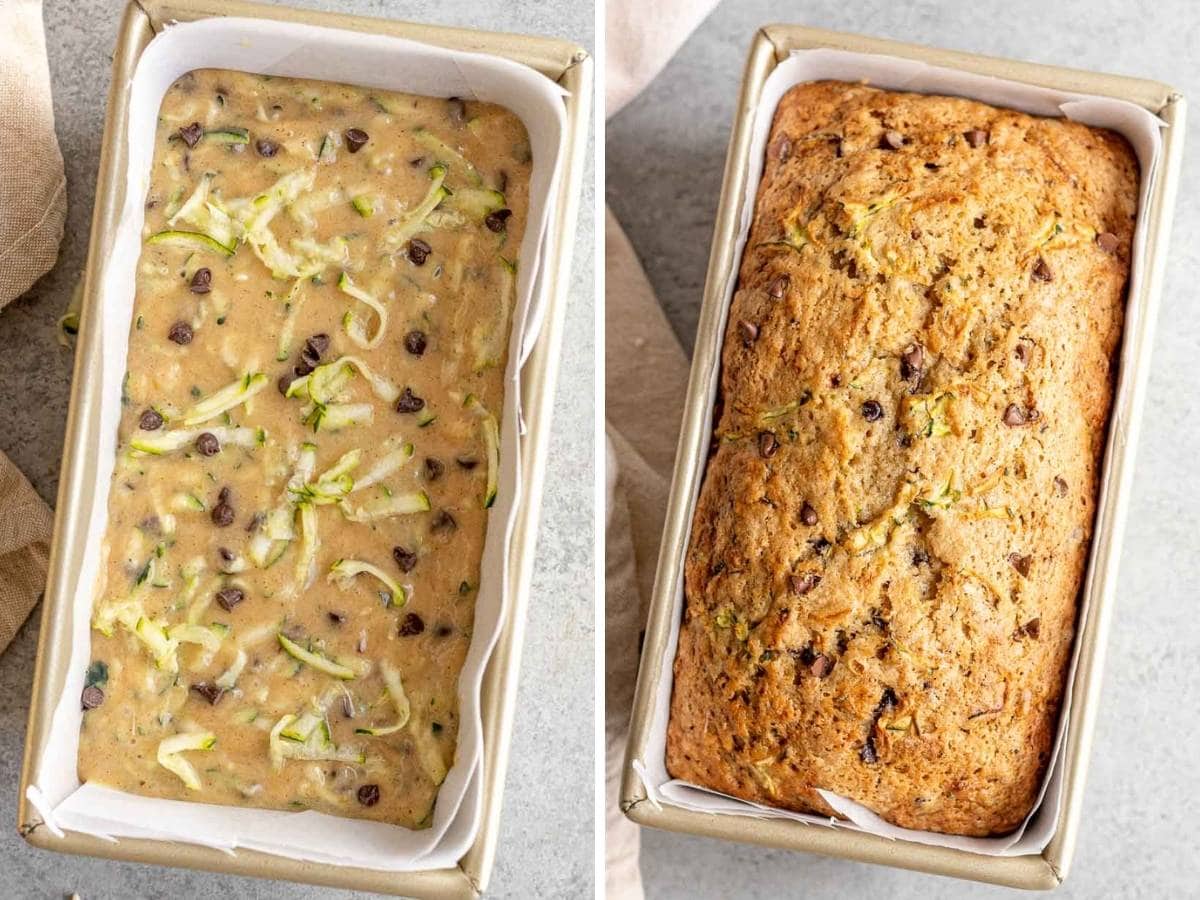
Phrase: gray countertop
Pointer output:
(664, 156)
(552, 751)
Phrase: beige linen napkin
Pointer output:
(33, 189)
(33, 204)
(645, 380)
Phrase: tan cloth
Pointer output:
(25, 525)
(33, 189)
(33, 204)
(645, 380)
(642, 38)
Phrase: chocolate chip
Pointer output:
(92, 697)
(1020, 563)
(443, 521)
(207, 444)
(228, 598)
(779, 287)
(150, 420)
(368, 794)
(872, 411)
(867, 753)
(915, 234)
(224, 495)
(443, 631)
(180, 333)
(1108, 242)
(409, 402)
(821, 666)
(497, 221)
(976, 137)
(808, 515)
(410, 625)
(266, 147)
(1060, 486)
(467, 462)
(891, 140)
(209, 692)
(1021, 352)
(201, 282)
(1014, 416)
(1041, 271)
(979, 222)
(356, 138)
(802, 584)
(783, 148)
(1033, 628)
(748, 332)
(415, 342)
(302, 368)
(456, 109)
(418, 251)
(433, 468)
(317, 345)
(337, 618)
(767, 444)
(223, 515)
(284, 382)
(191, 134)
(912, 361)
(405, 559)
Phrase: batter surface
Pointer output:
(308, 446)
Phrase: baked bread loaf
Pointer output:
(889, 543)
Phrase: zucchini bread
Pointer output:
(890, 539)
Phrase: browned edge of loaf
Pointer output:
(889, 543)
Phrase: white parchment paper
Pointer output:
(287, 49)
(1143, 130)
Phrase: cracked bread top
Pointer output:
(887, 552)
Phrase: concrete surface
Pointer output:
(546, 841)
(664, 158)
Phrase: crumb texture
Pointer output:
(889, 544)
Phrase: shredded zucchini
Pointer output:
(355, 328)
(385, 466)
(343, 571)
(317, 743)
(306, 562)
(318, 661)
(189, 240)
(227, 679)
(475, 202)
(491, 444)
(169, 757)
(447, 154)
(489, 345)
(395, 689)
(415, 222)
(225, 399)
(387, 506)
(162, 442)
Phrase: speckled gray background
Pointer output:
(664, 158)
(546, 841)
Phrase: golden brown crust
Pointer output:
(883, 605)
